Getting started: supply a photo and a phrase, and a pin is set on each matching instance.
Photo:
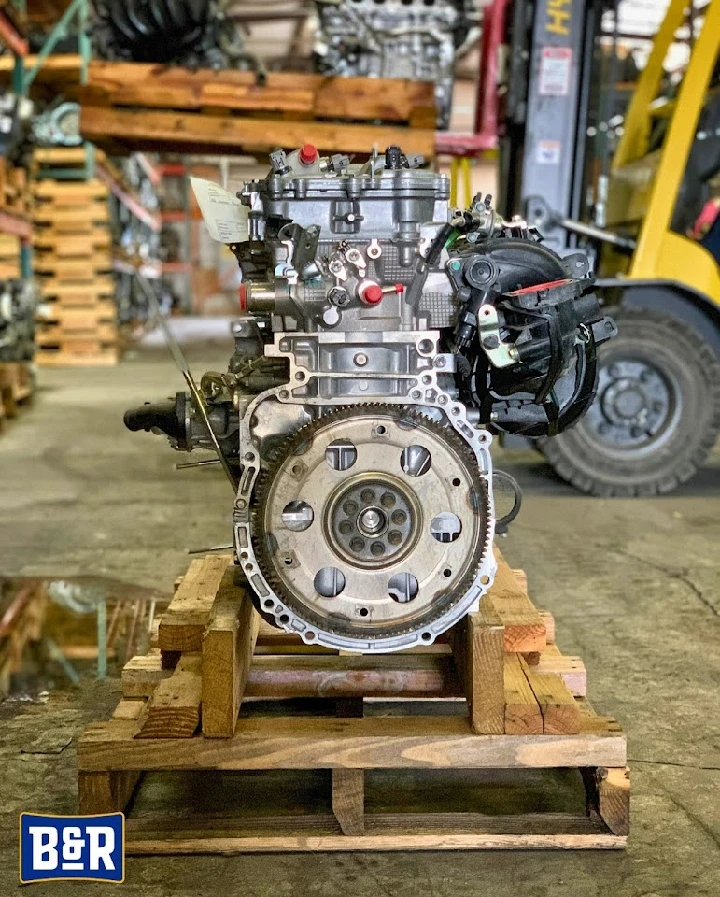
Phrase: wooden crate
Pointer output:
(504, 698)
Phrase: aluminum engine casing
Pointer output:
(409, 39)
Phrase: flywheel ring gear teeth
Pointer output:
(300, 443)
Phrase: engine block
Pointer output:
(410, 39)
(385, 337)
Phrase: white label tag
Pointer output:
(555, 71)
(225, 216)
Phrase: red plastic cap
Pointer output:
(242, 295)
(308, 154)
(399, 287)
(372, 294)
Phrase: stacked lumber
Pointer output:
(16, 195)
(170, 109)
(77, 319)
(197, 701)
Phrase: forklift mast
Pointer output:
(551, 48)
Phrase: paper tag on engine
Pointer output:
(225, 216)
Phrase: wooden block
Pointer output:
(521, 577)
(348, 800)
(614, 799)
(191, 132)
(559, 711)
(478, 643)
(227, 650)
(524, 627)
(142, 674)
(522, 711)
(182, 626)
(130, 709)
(549, 623)
(570, 668)
(105, 792)
(173, 710)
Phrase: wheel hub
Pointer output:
(635, 404)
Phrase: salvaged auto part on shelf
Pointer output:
(18, 301)
(384, 338)
(196, 33)
(397, 39)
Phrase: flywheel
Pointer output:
(373, 529)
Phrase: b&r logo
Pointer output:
(72, 847)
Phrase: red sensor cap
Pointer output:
(372, 294)
(308, 154)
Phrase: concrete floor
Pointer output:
(633, 583)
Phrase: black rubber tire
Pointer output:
(579, 458)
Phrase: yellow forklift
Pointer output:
(656, 415)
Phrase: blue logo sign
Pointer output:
(72, 847)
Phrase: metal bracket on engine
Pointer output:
(500, 354)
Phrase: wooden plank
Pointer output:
(227, 650)
(173, 710)
(478, 646)
(522, 711)
(190, 132)
(570, 668)
(142, 674)
(369, 743)
(559, 711)
(348, 800)
(524, 627)
(182, 626)
(163, 843)
(163, 87)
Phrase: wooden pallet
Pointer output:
(76, 321)
(134, 106)
(17, 387)
(504, 698)
(22, 611)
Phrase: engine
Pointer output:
(397, 39)
(385, 337)
(195, 33)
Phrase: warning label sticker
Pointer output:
(547, 152)
(555, 71)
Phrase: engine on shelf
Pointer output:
(17, 320)
(397, 39)
(195, 33)
(384, 338)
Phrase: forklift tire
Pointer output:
(656, 415)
